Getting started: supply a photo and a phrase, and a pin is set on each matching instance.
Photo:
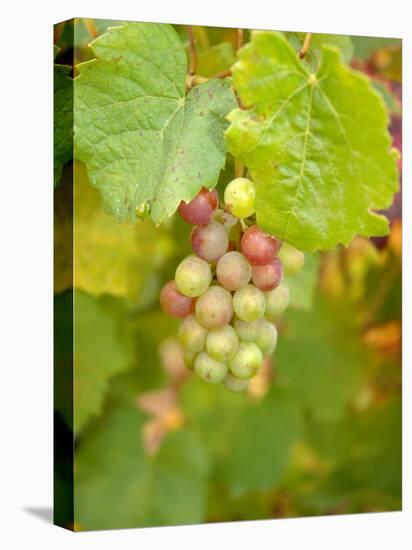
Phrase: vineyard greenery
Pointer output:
(227, 205)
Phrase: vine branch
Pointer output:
(306, 45)
(240, 38)
(193, 52)
(91, 27)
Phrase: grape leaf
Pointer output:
(262, 442)
(374, 456)
(364, 453)
(63, 232)
(144, 142)
(63, 356)
(243, 457)
(102, 349)
(302, 285)
(319, 356)
(63, 118)
(118, 486)
(316, 145)
(313, 55)
(110, 257)
(213, 412)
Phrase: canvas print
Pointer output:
(228, 274)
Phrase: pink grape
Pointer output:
(174, 303)
(200, 209)
(267, 277)
(258, 247)
(210, 241)
(233, 271)
(214, 308)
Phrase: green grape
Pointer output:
(193, 276)
(192, 335)
(240, 197)
(222, 343)
(292, 259)
(277, 301)
(233, 383)
(209, 369)
(267, 338)
(248, 331)
(249, 303)
(247, 360)
(189, 359)
(214, 308)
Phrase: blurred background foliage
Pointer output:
(319, 431)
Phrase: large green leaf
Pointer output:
(214, 412)
(109, 257)
(249, 443)
(63, 118)
(364, 454)
(320, 357)
(316, 145)
(118, 486)
(144, 142)
(262, 442)
(102, 349)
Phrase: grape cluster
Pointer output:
(230, 292)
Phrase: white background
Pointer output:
(26, 272)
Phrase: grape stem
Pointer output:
(243, 224)
(223, 74)
(193, 52)
(194, 80)
(240, 38)
(306, 45)
(239, 169)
